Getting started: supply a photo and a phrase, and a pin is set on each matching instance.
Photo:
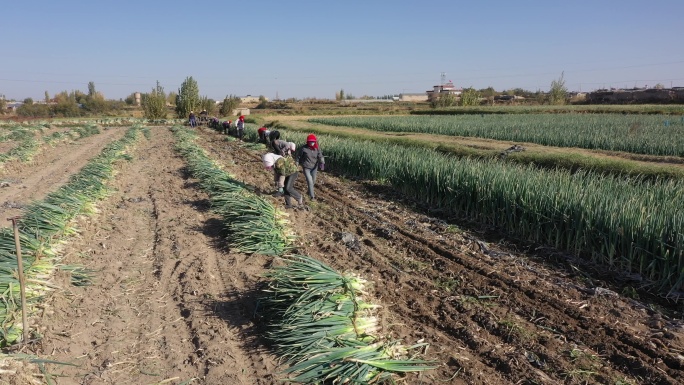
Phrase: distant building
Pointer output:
(447, 88)
(240, 111)
(250, 99)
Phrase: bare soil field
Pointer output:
(172, 304)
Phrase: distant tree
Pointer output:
(91, 89)
(66, 105)
(3, 105)
(47, 97)
(154, 103)
(33, 110)
(558, 93)
(61, 96)
(488, 92)
(444, 100)
(116, 105)
(469, 97)
(339, 95)
(262, 99)
(229, 104)
(188, 98)
(659, 86)
(28, 101)
(171, 98)
(78, 96)
(66, 109)
(130, 99)
(95, 104)
(206, 104)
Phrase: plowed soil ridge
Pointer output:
(171, 303)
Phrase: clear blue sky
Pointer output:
(314, 48)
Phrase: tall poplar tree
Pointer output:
(188, 98)
(558, 93)
(154, 103)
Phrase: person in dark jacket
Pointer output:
(310, 157)
(279, 147)
(193, 119)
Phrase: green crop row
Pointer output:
(640, 134)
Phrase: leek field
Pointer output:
(158, 254)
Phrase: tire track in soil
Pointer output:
(51, 168)
(540, 319)
(157, 308)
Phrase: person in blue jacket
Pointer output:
(193, 119)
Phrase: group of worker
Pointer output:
(284, 160)
(224, 126)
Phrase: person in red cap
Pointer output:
(240, 125)
(311, 159)
(261, 132)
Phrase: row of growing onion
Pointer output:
(632, 225)
(43, 226)
(252, 223)
(641, 134)
(319, 320)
